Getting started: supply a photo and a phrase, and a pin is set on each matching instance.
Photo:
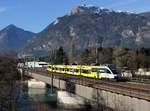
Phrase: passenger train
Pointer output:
(99, 72)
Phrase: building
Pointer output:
(35, 64)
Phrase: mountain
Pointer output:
(146, 14)
(13, 38)
(86, 27)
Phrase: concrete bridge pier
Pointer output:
(69, 100)
(33, 83)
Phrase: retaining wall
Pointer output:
(95, 96)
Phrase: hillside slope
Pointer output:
(86, 27)
(13, 38)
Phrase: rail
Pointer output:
(132, 89)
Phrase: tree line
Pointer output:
(8, 85)
(8, 68)
(121, 57)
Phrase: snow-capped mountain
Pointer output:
(86, 26)
(89, 10)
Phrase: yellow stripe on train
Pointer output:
(86, 71)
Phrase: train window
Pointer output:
(76, 70)
(102, 70)
(71, 70)
(85, 71)
(67, 70)
(94, 69)
(61, 69)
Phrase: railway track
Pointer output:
(138, 90)
(129, 89)
(141, 80)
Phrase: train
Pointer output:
(99, 72)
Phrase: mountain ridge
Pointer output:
(87, 26)
(13, 38)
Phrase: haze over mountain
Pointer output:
(85, 27)
(13, 38)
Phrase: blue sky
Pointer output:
(35, 15)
